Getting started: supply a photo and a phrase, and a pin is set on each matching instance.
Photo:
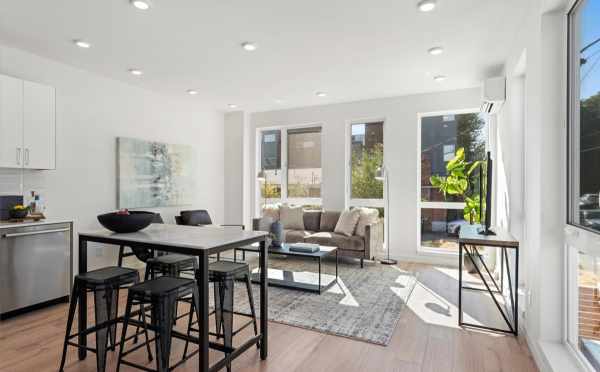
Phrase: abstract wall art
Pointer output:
(153, 174)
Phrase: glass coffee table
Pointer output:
(300, 280)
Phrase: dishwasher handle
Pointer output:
(16, 235)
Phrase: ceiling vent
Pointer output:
(493, 95)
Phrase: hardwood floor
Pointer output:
(426, 339)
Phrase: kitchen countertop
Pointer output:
(47, 221)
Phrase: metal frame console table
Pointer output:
(468, 241)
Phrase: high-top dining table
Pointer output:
(193, 241)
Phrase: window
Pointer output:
(304, 163)
(366, 156)
(583, 250)
(291, 162)
(270, 163)
(441, 137)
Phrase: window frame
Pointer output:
(578, 238)
(423, 250)
(360, 202)
(284, 164)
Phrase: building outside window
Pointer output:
(366, 156)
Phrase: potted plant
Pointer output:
(458, 182)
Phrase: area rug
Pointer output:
(364, 305)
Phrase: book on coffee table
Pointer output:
(303, 247)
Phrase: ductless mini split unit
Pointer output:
(493, 94)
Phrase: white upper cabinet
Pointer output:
(11, 122)
(27, 124)
(38, 126)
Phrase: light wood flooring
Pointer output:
(426, 339)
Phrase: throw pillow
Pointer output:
(368, 216)
(328, 220)
(264, 224)
(271, 211)
(292, 217)
(347, 222)
(312, 220)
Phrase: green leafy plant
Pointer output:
(458, 183)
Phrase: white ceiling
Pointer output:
(351, 49)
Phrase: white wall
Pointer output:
(91, 111)
(233, 149)
(400, 152)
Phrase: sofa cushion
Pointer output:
(292, 217)
(347, 223)
(312, 220)
(368, 216)
(328, 220)
(295, 236)
(264, 224)
(351, 243)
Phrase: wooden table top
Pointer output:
(469, 235)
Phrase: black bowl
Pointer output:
(18, 214)
(126, 223)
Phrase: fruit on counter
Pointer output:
(123, 212)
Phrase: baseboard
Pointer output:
(538, 357)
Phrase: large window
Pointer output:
(583, 246)
(366, 156)
(304, 163)
(441, 137)
(291, 162)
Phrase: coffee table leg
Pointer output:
(319, 259)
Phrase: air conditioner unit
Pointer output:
(493, 95)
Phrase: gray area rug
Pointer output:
(364, 305)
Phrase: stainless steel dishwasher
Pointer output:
(35, 266)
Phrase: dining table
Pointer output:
(202, 243)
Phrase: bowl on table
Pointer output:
(126, 223)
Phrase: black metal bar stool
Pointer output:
(224, 274)
(161, 294)
(105, 284)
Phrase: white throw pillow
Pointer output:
(271, 211)
(292, 217)
(368, 216)
(347, 222)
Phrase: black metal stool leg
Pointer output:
(101, 303)
(218, 297)
(189, 327)
(145, 327)
(251, 301)
(72, 308)
(227, 316)
(124, 331)
(162, 319)
(112, 307)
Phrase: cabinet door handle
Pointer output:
(18, 156)
(16, 235)
(26, 156)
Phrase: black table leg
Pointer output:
(460, 269)
(319, 259)
(202, 280)
(263, 258)
(82, 317)
(516, 314)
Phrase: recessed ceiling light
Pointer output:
(135, 71)
(435, 51)
(426, 5)
(232, 106)
(278, 101)
(321, 94)
(439, 78)
(192, 92)
(249, 46)
(141, 4)
(82, 44)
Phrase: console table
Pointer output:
(469, 240)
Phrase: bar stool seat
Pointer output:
(161, 294)
(105, 284)
(170, 265)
